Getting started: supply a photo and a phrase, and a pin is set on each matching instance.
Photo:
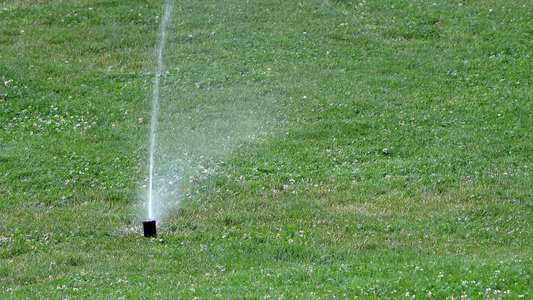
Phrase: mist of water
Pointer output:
(155, 98)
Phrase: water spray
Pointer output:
(149, 225)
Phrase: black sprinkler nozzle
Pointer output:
(150, 229)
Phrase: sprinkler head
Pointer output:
(150, 229)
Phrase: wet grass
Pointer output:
(317, 149)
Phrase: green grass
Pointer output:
(312, 149)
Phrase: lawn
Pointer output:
(312, 149)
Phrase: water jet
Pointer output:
(149, 224)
